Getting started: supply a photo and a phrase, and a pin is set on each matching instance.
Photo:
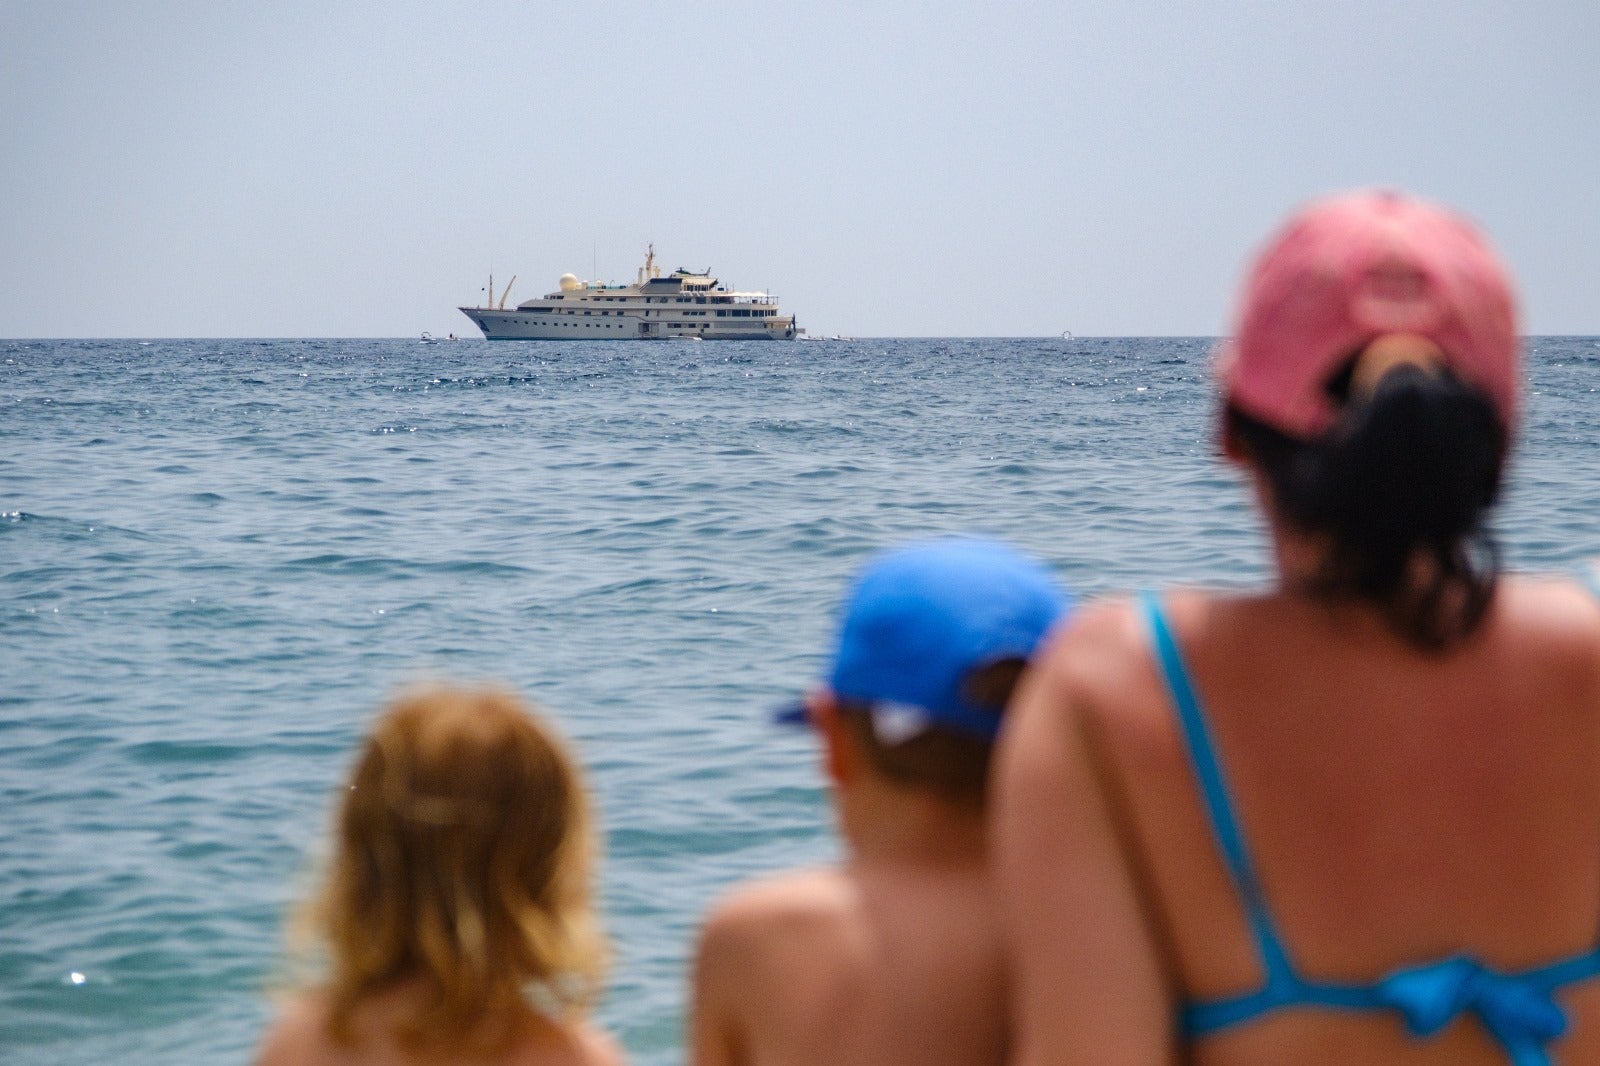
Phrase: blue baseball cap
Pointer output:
(920, 619)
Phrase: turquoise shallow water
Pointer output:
(217, 557)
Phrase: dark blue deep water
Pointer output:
(218, 557)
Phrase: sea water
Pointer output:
(217, 558)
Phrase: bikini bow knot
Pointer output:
(1522, 1016)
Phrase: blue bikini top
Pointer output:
(1518, 1009)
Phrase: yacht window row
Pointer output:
(737, 312)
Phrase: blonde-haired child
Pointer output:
(456, 914)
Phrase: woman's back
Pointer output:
(1398, 807)
(1355, 819)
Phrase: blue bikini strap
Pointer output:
(1518, 1009)
(1202, 753)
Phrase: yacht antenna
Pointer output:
(488, 300)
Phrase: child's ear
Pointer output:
(838, 756)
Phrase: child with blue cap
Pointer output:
(894, 956)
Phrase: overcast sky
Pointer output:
(887, 168)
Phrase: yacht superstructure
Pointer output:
(683, 304)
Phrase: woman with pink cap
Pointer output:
(1353, 818)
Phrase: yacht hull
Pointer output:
(520, 325)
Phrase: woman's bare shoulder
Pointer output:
(1556, 615)
(1542, 641)
(1101, 638)
(1098, 669)
(1111, 635)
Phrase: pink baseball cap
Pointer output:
(1348, 270)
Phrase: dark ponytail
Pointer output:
(1401, 485)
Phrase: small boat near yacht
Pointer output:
(683, 305)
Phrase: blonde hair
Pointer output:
(462, 859)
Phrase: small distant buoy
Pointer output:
(76, 978)
(1066, 334)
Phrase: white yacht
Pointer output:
(683, 304)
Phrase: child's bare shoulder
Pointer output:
(760, 915)
(776, 934)
(796, 898)
(299, 1034)
(596, 1047)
